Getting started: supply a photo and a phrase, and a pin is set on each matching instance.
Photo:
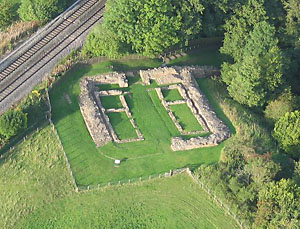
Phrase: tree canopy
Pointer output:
(287, 132)
(258, 67)
(145, 27)
(40, 10)
(12, 122)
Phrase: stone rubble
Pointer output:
(95, 115)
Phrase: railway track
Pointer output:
(45, 50)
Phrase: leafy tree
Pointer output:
(145, 27)
(258, 69)
(279, 205)
(12, 122)
(40, 10)
(287, 132)
(292, 22)
(239, 26)
(284, 103)
(262, 170)
(7, 13)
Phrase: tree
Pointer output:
(292, 22)
(40, 10)
(7, 13)
(12, 122)
(239, 26)
(262, 170)
(279, 205)
(258, 68)
(286, 102)
(287, 133)
(146, 27)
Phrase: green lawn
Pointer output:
(154, 155)
(112, 101)
(171, 95)
(185, 117)
(121, 125)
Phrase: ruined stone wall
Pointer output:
(92, 114)
(184, 77)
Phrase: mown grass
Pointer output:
(152, 156)
(111, 102)
(185, 117)
(121, 125)
(171, 95)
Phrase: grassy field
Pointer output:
(152, 156)
(185, 117)
(121, 125)
(174, 202)
(171, 95)
(36, 192)
(33, 175)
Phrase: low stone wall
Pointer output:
(184, 77)
(109, 78)
(92, 115)
(95, 115)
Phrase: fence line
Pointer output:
(216, 199)
(60, 143)
(132, 180)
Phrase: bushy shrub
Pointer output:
(12, 122)
(287, 133)
(40, 10)
(286, 102)
(7, 13)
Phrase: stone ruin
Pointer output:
(183, 79)
(180, 78)
(95, 115)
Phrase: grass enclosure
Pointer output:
(152, 156)
(111, 102)
(121, 125)
(185, 117)
(171, 95)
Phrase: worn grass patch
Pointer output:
(171, 95)
(112, 101)
(185, 117)
(121, 125)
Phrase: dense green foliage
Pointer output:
(145, 27)
(12, 122)
(287, 132)
(40, 10)
(286, 102)
(257, 71)
(7, 13)
(279, 205)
